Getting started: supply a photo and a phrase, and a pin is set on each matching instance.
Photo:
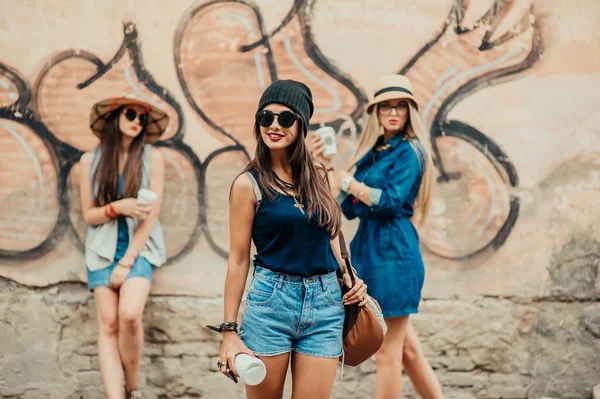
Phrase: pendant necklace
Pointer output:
(286, 187)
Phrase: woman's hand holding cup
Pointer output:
(132, 207)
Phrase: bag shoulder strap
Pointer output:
(346, 256)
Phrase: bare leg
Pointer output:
(312, 376)
(272, 385)
(107, 301)
(418, 368)
(388, 381)
(133, 296)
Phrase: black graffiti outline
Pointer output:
(441, 126)
(298, 8)
(21, 113)
(66, 156)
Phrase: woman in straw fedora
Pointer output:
(390, 189)
(124, 239)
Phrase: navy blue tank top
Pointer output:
(288, 241)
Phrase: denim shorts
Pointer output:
(291, 313)
(101, 278)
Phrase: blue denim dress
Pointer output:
(141, 267)
(385, 250)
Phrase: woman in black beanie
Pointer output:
(294, 306)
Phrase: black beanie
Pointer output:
(295, 95)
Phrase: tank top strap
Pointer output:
(255, 187)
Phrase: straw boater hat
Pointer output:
(392, 87)
(158, 120)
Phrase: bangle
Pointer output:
(226, 326)
(125, 266)
(345, 185)
(111, 210)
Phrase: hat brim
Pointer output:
(391, 95)
(158, 120)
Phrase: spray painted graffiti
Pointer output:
(55, 113)
(474, 210)
(221, 44)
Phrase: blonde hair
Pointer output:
(414, 129)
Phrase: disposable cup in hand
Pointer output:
(327, 133)
(251, 370)
(147, 195)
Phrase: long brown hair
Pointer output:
(413, 129)
(107, 174)
(310, 181)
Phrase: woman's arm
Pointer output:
(96, 215)
(157, 184)
(405, 170)
(92, 215)
(241, 216)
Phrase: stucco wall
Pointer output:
(508, 91)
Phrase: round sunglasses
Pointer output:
(131, 114)
(286, 119)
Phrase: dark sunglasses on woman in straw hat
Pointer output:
(154, 120)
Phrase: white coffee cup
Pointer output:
(251, 370)
(327, 133)
(147, 195)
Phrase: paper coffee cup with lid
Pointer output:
(327, 133)
(252, 370)
(145, 194)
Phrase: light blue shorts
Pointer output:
(291, 313)
(101, 278)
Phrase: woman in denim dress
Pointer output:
(389, 190)
(294, 307)
(124, 239)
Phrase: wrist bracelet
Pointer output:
(345, 184)
(226, 326)
(112, 211)
(125, 266)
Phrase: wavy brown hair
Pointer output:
(107, 174)
(310, 180)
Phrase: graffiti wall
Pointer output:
(507, 89)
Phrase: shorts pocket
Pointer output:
(334, 292)
(261, 292)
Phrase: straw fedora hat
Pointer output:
(158, 120)
(392, 87)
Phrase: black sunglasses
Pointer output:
(286, 119)
(131, 114)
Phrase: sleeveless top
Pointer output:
(286, 240)
(101, 240)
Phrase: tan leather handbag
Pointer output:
(364, 327)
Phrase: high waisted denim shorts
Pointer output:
(290, 313)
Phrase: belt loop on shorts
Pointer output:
(280, 282)
(323, 282)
